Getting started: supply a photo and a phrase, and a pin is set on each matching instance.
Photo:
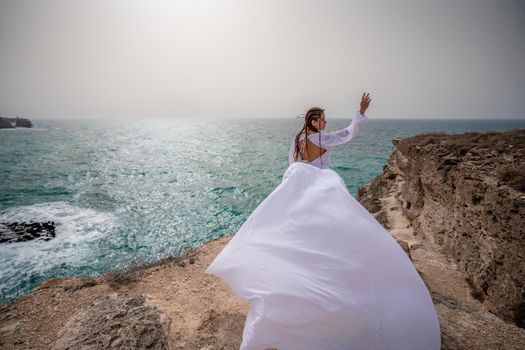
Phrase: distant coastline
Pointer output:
(8, 123)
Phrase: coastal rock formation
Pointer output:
(114, 321)
(5, 123)
(26, 231)
(458, 202)
(23, 122)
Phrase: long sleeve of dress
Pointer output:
(332, 139)
(292, 150)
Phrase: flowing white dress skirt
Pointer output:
(320, 272)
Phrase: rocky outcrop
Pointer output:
(115, 321)
(462, 203)
(23, 122)
(5, 123)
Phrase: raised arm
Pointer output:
(332, 139)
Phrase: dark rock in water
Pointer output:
(23, 122)
(5, 123)
(26, 231)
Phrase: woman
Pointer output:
(316, 149)
(319, 271)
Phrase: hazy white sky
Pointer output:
(262, 58)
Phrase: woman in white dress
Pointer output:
(320, 272)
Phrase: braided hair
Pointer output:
(313, 113)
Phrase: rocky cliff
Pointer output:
(461, 202)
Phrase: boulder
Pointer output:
(114, 321)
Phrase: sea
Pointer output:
(123, 193)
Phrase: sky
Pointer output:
(262, 58)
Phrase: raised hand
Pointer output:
(365, 102)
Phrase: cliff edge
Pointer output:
(456, 203)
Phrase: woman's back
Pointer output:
(316, 150)
(311, 153)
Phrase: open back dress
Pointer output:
(320, 272)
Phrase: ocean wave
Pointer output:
(26, 264)
(73, 223)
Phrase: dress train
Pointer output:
(321, 272)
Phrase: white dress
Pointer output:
(320, 272)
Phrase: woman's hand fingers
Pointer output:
(365, 101)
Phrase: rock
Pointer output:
(220, 330)
(5, 123)
(464, 194)
(9, 326)
(26, 231)
(19, 122)
(23, 122)
(382, 218)
(469, 326)
(115, 321)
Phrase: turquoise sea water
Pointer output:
(134, 192)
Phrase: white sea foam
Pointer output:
(22, 128)
(76, 229)
(73, 224)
